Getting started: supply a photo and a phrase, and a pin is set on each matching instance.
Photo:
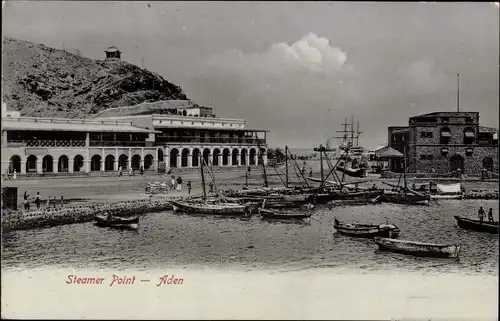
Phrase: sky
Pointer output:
(298, 69)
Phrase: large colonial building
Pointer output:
(443, 142)
(173, 134)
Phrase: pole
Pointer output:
(286, 166)
(203, 179)
(246, 177)
(321, 164)
(458, 92)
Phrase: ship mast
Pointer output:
(203, 179)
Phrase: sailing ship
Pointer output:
(216, 207)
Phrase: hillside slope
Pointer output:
(42, 81)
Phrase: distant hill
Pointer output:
(42, 81)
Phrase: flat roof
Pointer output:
(72, 126)
(214, 128)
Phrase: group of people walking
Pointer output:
(38, 201)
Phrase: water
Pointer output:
(176, 240)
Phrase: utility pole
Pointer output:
(458, 92)
(286, 166)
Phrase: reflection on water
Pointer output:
(167, 239)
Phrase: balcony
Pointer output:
(46, 143)
(114, 143)
(211, 140)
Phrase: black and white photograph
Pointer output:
(250, 160)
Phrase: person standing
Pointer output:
(131, 171)
(142, 170)
(480, 214)
(26, 204)
(189, 187)
(38, 200)
(179, 184)
(310, 172)
(172, 183)
(62, 201)
(490, 215)
(15, 174)
(120, 173)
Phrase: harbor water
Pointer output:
(169, 239)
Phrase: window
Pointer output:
(445, 120)
(426, 134)
(469, 120)
(469, 151)
(445, 135)
(426, 157)
(444, 151)
(469, 136)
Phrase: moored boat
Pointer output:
(476, 225)
(193, 207)
(367, 230)
(418, 248)
(278, 215)
(117, 222)
(401, 197)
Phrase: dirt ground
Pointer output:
(95, 189)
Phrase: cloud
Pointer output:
(312, 53)
(422, 77)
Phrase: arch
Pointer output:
(184, 157)
(123, 161)
(225, 157)
(15, 164)
(456, 162)
(31, 164)
(95, 163)
(488, 163)
(63, 164)
(184, 113)
(235, 155)
(109, 163)
(148, 161)
(206, 156)
(215, 158)
(47, 164)
(253, 153)
(136, 162)
(243, 158)
(173, 157)
(196, 158)
(77, 163)
(160, 155)
(469, 135)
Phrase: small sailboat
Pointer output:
(197, 206)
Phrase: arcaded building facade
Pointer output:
(443, 142)
(155, 142)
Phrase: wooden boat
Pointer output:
(278, 215)
(418, 248)
(476, 225)
(359, 172)
(367, 230)
(117, 222)
(401, 197)
(194, 207)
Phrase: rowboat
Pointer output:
(418, 248)
(476, 225)
(278, 215)
(117, 222)
(193, 207)
(367, 230)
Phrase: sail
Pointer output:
(449, 189)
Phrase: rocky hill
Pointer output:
(42, 81)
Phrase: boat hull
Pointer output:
(212, 209)
(418, 248)
(117, 222)
(367, 230)
(268, 214)
(401, 198)
(475, 225)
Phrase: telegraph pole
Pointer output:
(458, 92)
